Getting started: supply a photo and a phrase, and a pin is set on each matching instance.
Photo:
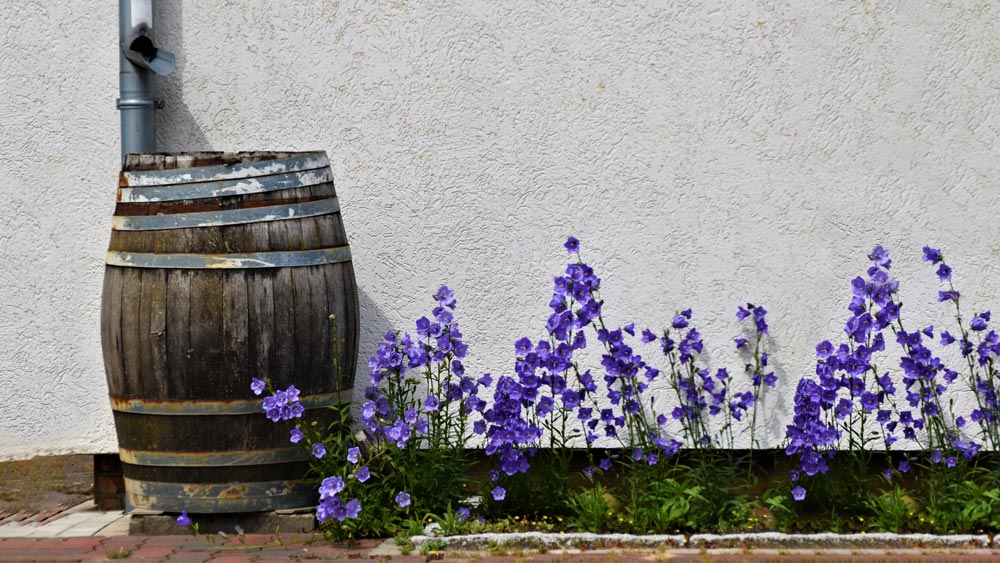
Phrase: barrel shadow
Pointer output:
(374, 325)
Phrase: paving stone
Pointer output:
(14, 530)
(323, 551)
(42, 555)
(161, 541)
(190, 557)
(254, 556)
(118, 527)
(385, 548)
(80, 543)
(127, 542)
(264, 539)
(147, 552)
(18, 542)
(61, 526)
(93, 524)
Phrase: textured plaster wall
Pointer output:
(705, 153)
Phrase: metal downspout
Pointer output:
(139, 61)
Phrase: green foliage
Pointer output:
(539, 493)
(431, 546)
(960, 499)
(776, 503)
(120, 553)
(663, 506)
(891, 510)
(720, 478)
(449, 523)
(589, 509)
(982, 508)
(404, 543)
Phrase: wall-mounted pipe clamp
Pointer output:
(139, 103)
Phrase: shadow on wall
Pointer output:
(374, 325)
(176, 128)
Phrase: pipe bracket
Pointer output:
(139, 103)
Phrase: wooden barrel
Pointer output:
(223, 267)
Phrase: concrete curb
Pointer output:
(535, 540)
(765, 540)
(775, 540)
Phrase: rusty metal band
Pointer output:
(306, 161)
(250, 406)
(290, 259)
(225, 217)
(222, 497)
(213, 459)
(226, 188)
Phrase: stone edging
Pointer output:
(765, 540)
(775, 540)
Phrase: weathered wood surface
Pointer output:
(174, 337)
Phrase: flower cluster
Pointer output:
(393, 410)
(848, 390)
(626, 378)
(421, 397)
(921, 370)
(551, 400)
(280, 405)
(695, 389)
(525, 405)
(756, 369)
(331, 505)
(980, 347)
(702, 395)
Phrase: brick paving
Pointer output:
(182, 548)
(265, 548)
(93, 535)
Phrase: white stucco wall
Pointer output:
(706, 154)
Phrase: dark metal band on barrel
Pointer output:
(244, 406)
(289, 259)
(225, 497)
(225, 188)
(226, 217)
(225, 172)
